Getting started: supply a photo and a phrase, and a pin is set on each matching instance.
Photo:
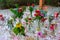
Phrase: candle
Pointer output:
(40, 4)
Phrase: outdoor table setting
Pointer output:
(30, 23)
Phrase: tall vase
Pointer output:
(10, 24)
(39, 24)
(30, 27)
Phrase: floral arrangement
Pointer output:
(31, 8)
(35, 23)
(18, 29)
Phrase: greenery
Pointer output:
(51, 2)
(11, 3)
(17, 30)
(17, 14)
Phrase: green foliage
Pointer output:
(31, 9)
(51, 18)
(17, 30)
(12, 3)
(17, 5)
(51, 2)
(38, 18)
(26, 19)
(17, 14)
(24, 8)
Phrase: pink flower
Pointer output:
(41, 14)
(15, 38)
(43, 19)
(56, 14)
(39, 34)
(1, 17)
(52, 27)
(20, 10)
(45, 8)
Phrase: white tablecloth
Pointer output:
(4, 35)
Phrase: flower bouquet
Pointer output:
(39, 16)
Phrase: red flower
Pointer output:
(37, 11)
(56, 14)
(33, 5)
(1, 15)
(52, 27)
(20, 10)
(29, 18)
(43, 19)
(2, 19)
(37, 14)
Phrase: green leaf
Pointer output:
(19, 15)
(19, 31)
(24, 8)
(14, 11)
(31, 9)
(16, 5)
(16, 30)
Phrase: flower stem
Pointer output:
(31, 14)
(39, 23)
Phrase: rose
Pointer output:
(52, 27)
(29, 18)
(56, 14)
(43, 19)
(1, 17)
(37, 11)
(33, 5)
(19, 9)
(36, 14)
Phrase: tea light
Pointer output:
(30, 38)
